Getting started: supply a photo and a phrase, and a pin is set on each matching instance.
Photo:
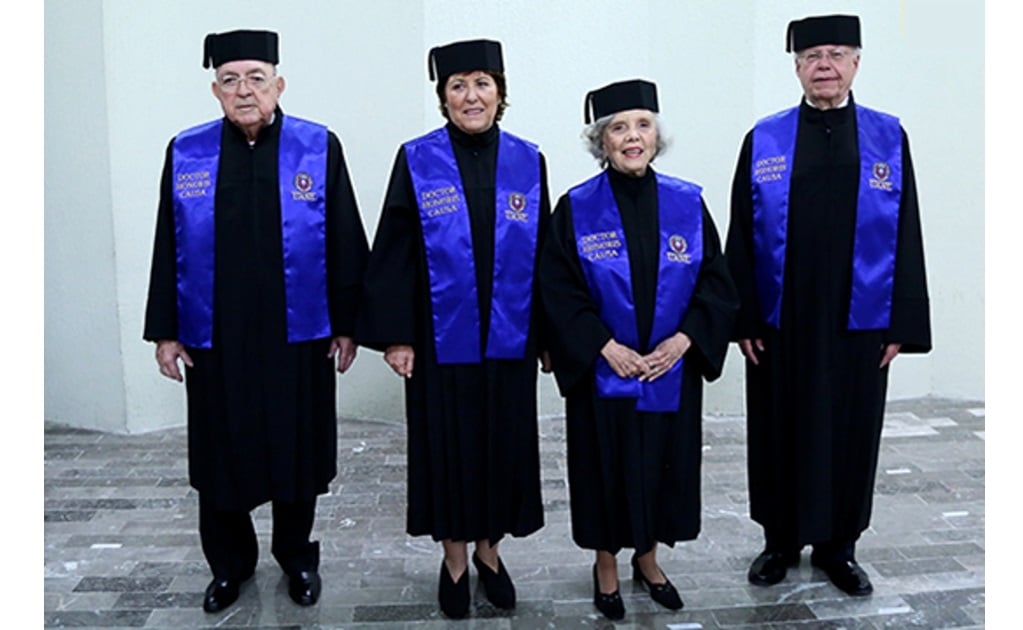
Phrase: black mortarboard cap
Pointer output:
(618, 97)
(823, 29)
(467, 56)
(219, 48)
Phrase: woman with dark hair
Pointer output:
(641, 307)
(451, 301)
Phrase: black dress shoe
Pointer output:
(221, 593)
(610, 605)
(304, 587)
(453, 596)
(770, 567)
(664, 594)
(847, 575)
(497, 586)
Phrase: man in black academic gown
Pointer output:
(825, 248)
(255, 287)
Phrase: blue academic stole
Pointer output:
(603, 253)
(302, 169)
(877, 213)
(447, 237)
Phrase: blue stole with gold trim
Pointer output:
(877, 213)
(604, 256)
(302, 171)
(447, 237)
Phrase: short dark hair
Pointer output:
(502, 93)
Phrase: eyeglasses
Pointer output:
(232, 83)
(838, 55)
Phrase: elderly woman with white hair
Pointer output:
(641, 304)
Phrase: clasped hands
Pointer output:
(627, 363)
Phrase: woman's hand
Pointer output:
(665, 356)
(344, 348)
(625, 361)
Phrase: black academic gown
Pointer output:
(473, 455)
(262, 421)
(815, 404)
(634, 477)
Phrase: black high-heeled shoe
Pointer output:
(664, 594)
(497, 585)
(453, 596)
(610, 605)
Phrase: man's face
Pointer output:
(248, 92)
(827, 73)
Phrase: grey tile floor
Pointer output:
(121, 546)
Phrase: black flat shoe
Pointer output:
(222, 593)
(304, 587)
(664, 594)
(453, 596)
(847, 575)
(770, 567)
(497, 586)
(610, 605)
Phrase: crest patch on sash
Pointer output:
(678, 247)
(303, 188)
(879, 181)
(516, 207)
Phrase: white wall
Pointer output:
(361, 68)
(84, 376)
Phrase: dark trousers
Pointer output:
(824, 550)
(231, 549)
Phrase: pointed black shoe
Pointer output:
(453, 596)
(664, 594)
(846, 575)
(770, 567)
(497, 586)
(611, 606)
(304, 587)
(221, 593)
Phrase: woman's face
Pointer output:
(630, 141)
(471, 99)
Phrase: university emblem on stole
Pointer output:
(677, 249)
(516, 207)
(303, 188)
(881, 171)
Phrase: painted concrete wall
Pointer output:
(361, 69)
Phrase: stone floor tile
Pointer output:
(121, 546)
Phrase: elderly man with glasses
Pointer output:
(254, 287)
(825, 247)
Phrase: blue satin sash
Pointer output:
(447, 237)
(877, 213)
(303, 172)
(603, 253)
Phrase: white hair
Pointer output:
(593, 136)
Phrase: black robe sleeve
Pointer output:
(708, 322)
(578, 334)
(911, 322)
(162, 303)
(347, 248)
(389, 316)
(739, 247)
